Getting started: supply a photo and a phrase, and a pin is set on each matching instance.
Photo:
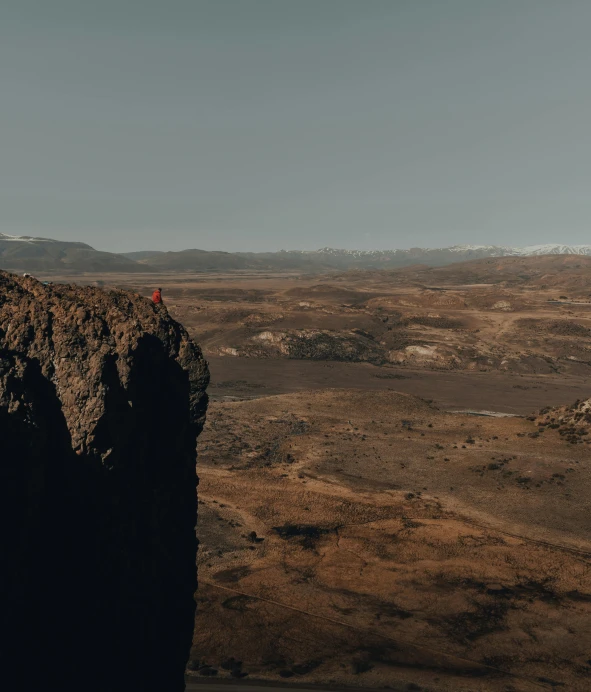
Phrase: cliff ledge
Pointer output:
(102, 397)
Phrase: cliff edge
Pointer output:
(102, 397)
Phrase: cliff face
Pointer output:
(102, 396)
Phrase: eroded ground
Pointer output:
(392, 319)
(355, 528)
(369, 538)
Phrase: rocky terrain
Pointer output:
(569, 273)
(394, 478)
(102, 396)
(572, 422)
(514, 315)
(371, 539)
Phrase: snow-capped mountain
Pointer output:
(480, 250)
(550, 249)
(28, 239)
(28, 253)
(23, 239)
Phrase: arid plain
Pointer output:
(382, 504)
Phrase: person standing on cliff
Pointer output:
(157, 297)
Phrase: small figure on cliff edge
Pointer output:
(157, 296)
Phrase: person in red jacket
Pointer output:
(157, 296)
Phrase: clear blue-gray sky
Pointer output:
(268, 124)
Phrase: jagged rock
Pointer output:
(102, 396)
(573, 422)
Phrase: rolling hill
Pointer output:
(560, 272)
(327, 258)
(26, 253)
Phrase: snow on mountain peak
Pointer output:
(550, 249)
(483, 250)
(25, 239)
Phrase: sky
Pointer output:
(260, 125)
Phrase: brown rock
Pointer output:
(102, 396)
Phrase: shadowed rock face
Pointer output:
(102, 396)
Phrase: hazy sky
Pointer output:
(268, 124)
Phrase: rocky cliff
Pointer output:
(102, 396)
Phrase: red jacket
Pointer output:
(156, 297)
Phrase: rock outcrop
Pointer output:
(572, 423)
(102, 396)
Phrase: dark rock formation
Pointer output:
(102, 396)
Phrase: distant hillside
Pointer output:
(204, 260)
(201, 260)
(31, 254)
(44, 254)
(564, 273)
(536, 271)
(143, 255)
(310, 261)
(331, 258)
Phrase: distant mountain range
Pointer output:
(482, 250)
(332, 258)
(26, 253)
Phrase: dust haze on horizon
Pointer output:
(295, 124)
